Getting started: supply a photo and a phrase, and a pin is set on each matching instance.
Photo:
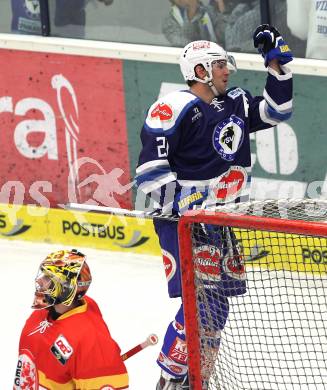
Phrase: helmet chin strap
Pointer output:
(213, 88)
(208, 80)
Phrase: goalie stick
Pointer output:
(152, 339)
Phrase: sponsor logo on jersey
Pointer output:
(236, 93)
(230, 185)
(207, 262)
(175, 369)
(26, 376)
(163, 111)
(179, 328)
(190, 199)
(169, 264)
(228, 137)
(61, 349)
(197, 114)
(233, 266)
(178, 351)
(284, 48)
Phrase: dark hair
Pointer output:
(191, 82)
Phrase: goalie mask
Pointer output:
(204, 53)
(63, 277)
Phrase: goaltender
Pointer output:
(65, 343)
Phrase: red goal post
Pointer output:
(275, 337)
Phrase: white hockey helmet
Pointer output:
(204, 53)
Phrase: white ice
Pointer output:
(130, 290)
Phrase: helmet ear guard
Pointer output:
(203, 53)
(63, 276)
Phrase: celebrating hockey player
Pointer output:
(196, 154)
(65, 343)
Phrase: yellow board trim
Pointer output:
(288, 252)
(78, 228)
(137, 235)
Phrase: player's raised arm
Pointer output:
(276, 103)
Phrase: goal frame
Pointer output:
(187, 271)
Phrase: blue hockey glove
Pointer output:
(271, 45)
(186, 200)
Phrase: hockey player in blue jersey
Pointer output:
(196, 154)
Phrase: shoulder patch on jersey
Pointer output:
(61, 349)
(234, 93)
(228, 137)
(26, 376)
(162, 110)
(167, 112)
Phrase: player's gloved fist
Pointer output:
(187, 199)
(271, 45)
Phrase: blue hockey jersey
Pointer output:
(197, 153)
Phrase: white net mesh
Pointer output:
(267, 332)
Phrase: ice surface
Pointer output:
(130, 290)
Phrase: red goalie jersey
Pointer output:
(75, 351)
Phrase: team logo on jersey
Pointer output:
(26, 376)
(178, 353)
(61, 349)
(228, 137)
(163, 111)
(229, 186)
(169, 264)
(44, 325)
(217, 105)
(207, 262)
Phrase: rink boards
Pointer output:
(269, 250)
(75, 228)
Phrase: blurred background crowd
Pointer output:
(172, 22)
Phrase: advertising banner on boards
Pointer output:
(63, 130)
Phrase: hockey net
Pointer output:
(275, 336)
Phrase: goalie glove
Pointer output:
(271, 45)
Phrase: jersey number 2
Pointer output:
(162, 146)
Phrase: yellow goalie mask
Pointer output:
(62, 277)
